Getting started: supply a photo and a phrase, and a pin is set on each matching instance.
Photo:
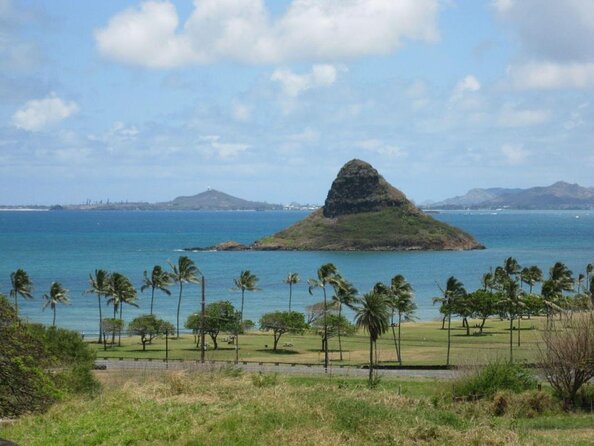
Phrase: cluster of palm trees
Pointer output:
(508, 292)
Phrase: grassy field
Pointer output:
(226, 407)
(423, 343)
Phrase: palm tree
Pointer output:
(531, 276)
(373, 316)
(327, 275)
(511, 304)
(159, 280)
(184, 272)
(21, 286)
(454, 290)
(589, 269)
(245, 282)
(344, 294)
(400, 300)
(292, 279)
(99, 285)
(57, 295)
(120, 292)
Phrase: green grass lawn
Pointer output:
(227, 407)
(423, 343)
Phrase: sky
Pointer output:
(267, 99)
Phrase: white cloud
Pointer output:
(295, 84)
(37, 114)
(241, 112)
(381, 148)
(552, 75)
(469, 84)
(556, 42)
(511, 117)
(150, 35)
(514, 154)
(229, 150)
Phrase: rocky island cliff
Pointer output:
(363, 212)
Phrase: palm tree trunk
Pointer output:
(115, 312)
(394, 337)
(325, 332)
(370, 360)
(399, 338)
(152, 299)
(290, 294)
(511, 338)
(519, 327)
(338, 332)
(449, 338)
(100, 318)
(178, 306)
(120, 328)
(240, 327)
(16, 305)
(54, 320)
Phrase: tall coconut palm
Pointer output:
(158, 280)
(327, 275)
(292, 279)
(57, 295)
(246, 281)
(373, 316)
(183, 272)
(531, 276)
(511, 304)
(99, 285)
(21, 286)
(120, 292)
(401, 301)
(344, 294)
(454, 290)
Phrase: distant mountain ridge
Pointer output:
(209, 200)
(557, 196)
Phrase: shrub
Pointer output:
(567, 356)
(486, 381)
(264, 380)
(526, 404)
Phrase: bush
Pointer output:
(488, 380)
(264, 380)
(526, 404)
(39, 365)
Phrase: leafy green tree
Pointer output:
(327, 276)
(245, 282)
(373, 315)
(484, 304)
(158, 280)
(281, 322)
(21, 286)
(335, 324)
(120, 292)
(57, 295)
(292, 279)
(219, 317)
(184, 272)
(454, 290)
(99, 285)
(401, 302)
(111, 327)
(344, 294)
(148, 327)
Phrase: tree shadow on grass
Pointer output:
(278, 351)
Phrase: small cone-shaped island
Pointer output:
(363, 212)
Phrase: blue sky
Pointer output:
(266, 100)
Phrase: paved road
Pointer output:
(115, 364)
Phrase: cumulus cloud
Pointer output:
(469, 84)
(295, 84)
(512, 117)
(37, 114)
(381, 148)
(552, 75)
(514, 154)
(556, 42)
(150, 35)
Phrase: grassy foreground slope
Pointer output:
(224, 408)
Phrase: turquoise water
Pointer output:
(67, 246)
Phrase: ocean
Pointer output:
(68, 246)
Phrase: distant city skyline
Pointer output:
(266, 100)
